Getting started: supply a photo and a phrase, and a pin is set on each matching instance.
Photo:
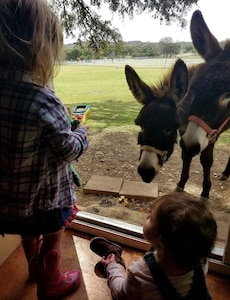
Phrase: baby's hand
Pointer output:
(110, 258)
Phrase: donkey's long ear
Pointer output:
(203, 40)
(179, 81)
(140, 90)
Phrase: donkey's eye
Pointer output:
(168, 131)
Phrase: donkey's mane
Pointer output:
(162, 87)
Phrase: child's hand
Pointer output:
(110, 258)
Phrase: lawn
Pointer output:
(105, 89)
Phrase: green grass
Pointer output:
(223, 139)
(106, 90)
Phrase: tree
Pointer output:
(73, 54)
(78, 15)
(168, 48)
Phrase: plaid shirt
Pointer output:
(37, 146)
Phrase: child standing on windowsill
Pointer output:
(37, 195)
(182, 233)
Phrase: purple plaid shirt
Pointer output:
(36, 148)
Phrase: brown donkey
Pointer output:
(159, 119)
(209, 98)
(164, 108)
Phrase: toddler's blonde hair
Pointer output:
(31, 38)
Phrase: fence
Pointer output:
(139, 62)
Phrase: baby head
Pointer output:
(183, 227)
(31, 38)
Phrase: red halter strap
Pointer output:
(212, 133)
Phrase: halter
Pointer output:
(212, 133)
(162, 153)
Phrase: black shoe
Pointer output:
(104, 247)
(100, 270)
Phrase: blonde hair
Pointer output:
(31, 38)
(184, 226)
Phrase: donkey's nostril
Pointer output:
(147, 175)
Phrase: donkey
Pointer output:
(209, 95)
(226, 173)
(159, 118)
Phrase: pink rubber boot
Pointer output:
(53, 284)
(32, 246)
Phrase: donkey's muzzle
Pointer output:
(147, 175)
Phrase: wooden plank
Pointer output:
(117, 186)
(139, 190)
(103, 185)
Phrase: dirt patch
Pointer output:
(116, 154)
